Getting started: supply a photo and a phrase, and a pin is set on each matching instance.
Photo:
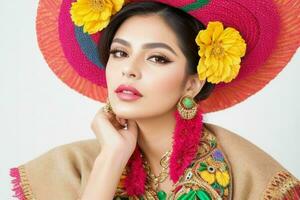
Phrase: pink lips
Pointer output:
(126, 92)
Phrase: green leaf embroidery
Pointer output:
(202, 167)
(203, 195)
(192, 195)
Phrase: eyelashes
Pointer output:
(161, 59)
(114, 51)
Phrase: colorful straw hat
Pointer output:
(271, 29)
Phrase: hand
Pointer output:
(110, 132)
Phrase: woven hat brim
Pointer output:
(50, 45)
(223, 96)
(286, 45)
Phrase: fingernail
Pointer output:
(126, 126)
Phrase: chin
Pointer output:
(126, 112)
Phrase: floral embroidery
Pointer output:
(201, 194)
(215, 172)
(207, 177)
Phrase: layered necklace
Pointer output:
(156, 180)
(186, 137)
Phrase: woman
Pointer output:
(163, 68)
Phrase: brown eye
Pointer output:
(160, 59)
(118, 53)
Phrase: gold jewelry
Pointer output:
(164, 162)
(187, 107)
(107, 107)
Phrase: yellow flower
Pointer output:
(94, 15)
(213, 171)
(208, 177)
(220, 53)
(222, 178)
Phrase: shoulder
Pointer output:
(254, 171)
(240, 150)
(61, 171)
(77, 155)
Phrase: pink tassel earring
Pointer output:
(186, 138)
(136, 177)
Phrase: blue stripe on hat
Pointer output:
(88, 47)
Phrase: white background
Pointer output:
(39, 112)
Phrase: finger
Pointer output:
(102, 113)
(109, 117)
(131, 126)
(121, 120)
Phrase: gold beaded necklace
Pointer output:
(164, 162)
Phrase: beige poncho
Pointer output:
(226, 167)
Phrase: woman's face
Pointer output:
(145, 54)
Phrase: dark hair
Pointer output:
(185, 26)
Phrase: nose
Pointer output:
(128, 74)
(131, 71)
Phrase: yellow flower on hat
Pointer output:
(220, 53)
(94, 15)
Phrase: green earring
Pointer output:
(187, 107)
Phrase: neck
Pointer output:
(156, 136)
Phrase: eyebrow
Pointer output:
(146, 46)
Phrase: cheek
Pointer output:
(111, 76)
(168, 84)
(163, 92)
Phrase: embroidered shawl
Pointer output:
(226, 167)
